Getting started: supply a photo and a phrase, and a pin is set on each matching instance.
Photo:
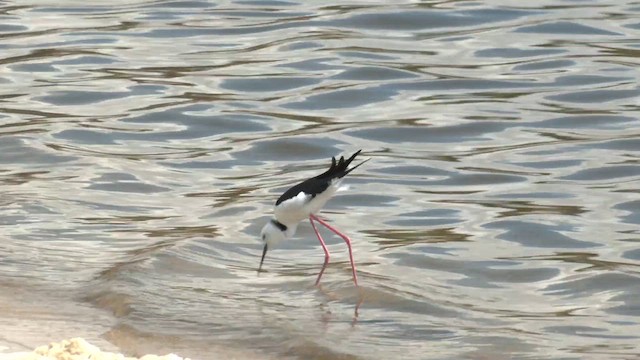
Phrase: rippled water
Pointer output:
(143, 145)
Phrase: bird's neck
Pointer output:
(288, 229)
(291, 230)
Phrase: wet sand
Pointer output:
(42, 323)
(77, 349)
(32, 316)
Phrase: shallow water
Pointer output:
(143, 145)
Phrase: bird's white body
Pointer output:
(298, 208)
(294, 210)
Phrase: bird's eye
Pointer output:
(264, 237)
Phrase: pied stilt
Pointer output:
(304, 201)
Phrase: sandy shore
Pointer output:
(77, 349)
(30, 317)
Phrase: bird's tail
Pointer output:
(353, 168)
(339, 168)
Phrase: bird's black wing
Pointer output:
(320, 183)
(310, 187)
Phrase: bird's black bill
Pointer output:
(264, 252)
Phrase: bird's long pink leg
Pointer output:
(324, 267)
(324, 246)
(346, 240)
(327, 255)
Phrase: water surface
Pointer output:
(143, 145)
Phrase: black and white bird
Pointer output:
(304, 201)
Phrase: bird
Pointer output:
(305, 200)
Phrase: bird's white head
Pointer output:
(272, 233)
